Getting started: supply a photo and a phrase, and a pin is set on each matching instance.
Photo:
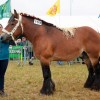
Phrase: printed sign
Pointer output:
(38, 22)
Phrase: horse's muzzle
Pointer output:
(5, 37)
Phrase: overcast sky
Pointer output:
(68, 7)
(74, 8)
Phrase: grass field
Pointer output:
(24, 83)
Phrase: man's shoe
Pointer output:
(30, 63)
(2, 93)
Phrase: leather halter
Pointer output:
(15, 28)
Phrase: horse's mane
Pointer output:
(66, 31)
(70, 31)
(33, 17)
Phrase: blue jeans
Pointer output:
(60, 62)
(3, 67)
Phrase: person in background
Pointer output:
(29, 50)
(24, 41)
(25, 50)
(4, 59)
(31, 55)
(19, 42)
(60, 62)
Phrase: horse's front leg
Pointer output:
(48, 85)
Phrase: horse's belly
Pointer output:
(66, 55)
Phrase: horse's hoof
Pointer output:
(87, 85)
(46, 92)
(30, 63)
(96, 88)
(48, 87)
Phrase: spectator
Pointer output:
(25, 50)
(30, 51)
(4, 56)
(60, 62)
(19, 42)
(24, 41)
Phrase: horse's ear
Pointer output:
(15, 13)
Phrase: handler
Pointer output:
(4, 58)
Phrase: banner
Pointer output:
(15, 52)
(5, 10)
(54, 9)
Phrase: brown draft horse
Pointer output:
(51, 44)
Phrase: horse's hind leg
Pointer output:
(91, 75)
(96, 84)
(90, 78)
(48, 85)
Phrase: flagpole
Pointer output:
(59, 14)
(70, 7)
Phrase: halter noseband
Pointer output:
(15, 28)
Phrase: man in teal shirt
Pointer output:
(4, 58)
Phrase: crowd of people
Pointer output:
(27, 47)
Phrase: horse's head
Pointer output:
(14, 27)
(1, 34)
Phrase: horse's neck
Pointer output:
(31, 32)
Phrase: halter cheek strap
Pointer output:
(15, 28)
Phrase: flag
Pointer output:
(5, 10)
(54, 9)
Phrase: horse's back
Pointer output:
(88, 34)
